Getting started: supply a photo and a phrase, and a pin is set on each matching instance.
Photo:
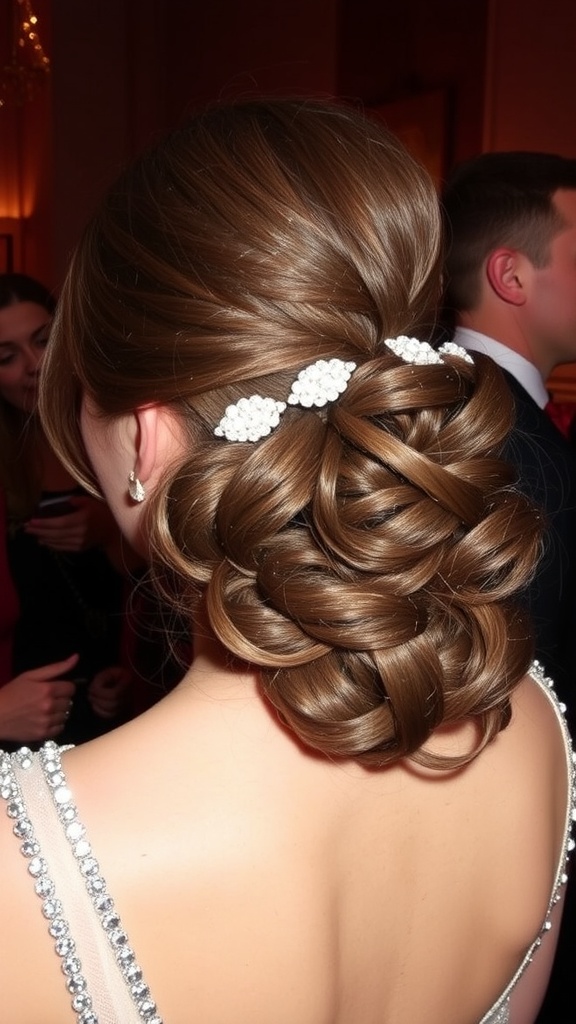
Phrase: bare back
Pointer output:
(261, 883)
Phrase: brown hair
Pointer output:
(362, 555)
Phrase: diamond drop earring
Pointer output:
(135, 487)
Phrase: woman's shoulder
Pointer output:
(538, 730)
(524, 787)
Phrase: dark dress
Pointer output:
(9, 609)
(546, 466)
(69, 603)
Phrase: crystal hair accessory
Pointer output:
(450, 348)
(411, 350)
(320, 383)
(249, 419)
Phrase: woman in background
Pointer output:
(354, 809)
(58, 538)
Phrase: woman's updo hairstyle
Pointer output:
(364, 555)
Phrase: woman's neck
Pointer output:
(215, 672)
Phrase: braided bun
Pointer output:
(366, 555)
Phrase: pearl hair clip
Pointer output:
(413, 351)
(249, 419)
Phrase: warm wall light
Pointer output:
(28, 64)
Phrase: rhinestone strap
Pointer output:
(95, 884)
(75, 833)
(499, 1013)
(44, 886)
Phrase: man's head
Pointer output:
(510, 223)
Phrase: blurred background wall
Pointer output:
(452, 77)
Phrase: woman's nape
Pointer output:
(357, 797)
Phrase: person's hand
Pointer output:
(108, 691)
(35, 705)
(90, 524)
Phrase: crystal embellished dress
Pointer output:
(100, 967)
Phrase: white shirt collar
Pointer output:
(522, 369)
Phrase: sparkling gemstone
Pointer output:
(44, 887)
(74, 831)
(110, 921)
(118, 938)
(82, 848)
(22, 828)
(133, 973)
(125, 955)
(56, 779)
(59, 928)
(88, 1017)
(65, 946)
(62, 795)
(95, 885)
(71, 965)
(51, 908)
(30, 848)
(81, 1002)
(37, 866)
(89, 866)
(75, 984)
(103, 903)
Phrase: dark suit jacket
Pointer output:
(546, 466)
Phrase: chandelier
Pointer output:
(28, 65)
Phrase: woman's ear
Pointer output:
(159, 435)
(146, 441)
(505, 269)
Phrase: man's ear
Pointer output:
(147, 427)
(505, 270)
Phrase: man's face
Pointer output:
(553, 292)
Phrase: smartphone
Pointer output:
(58, 505)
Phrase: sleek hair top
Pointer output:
(364, 555)
(500, 199)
